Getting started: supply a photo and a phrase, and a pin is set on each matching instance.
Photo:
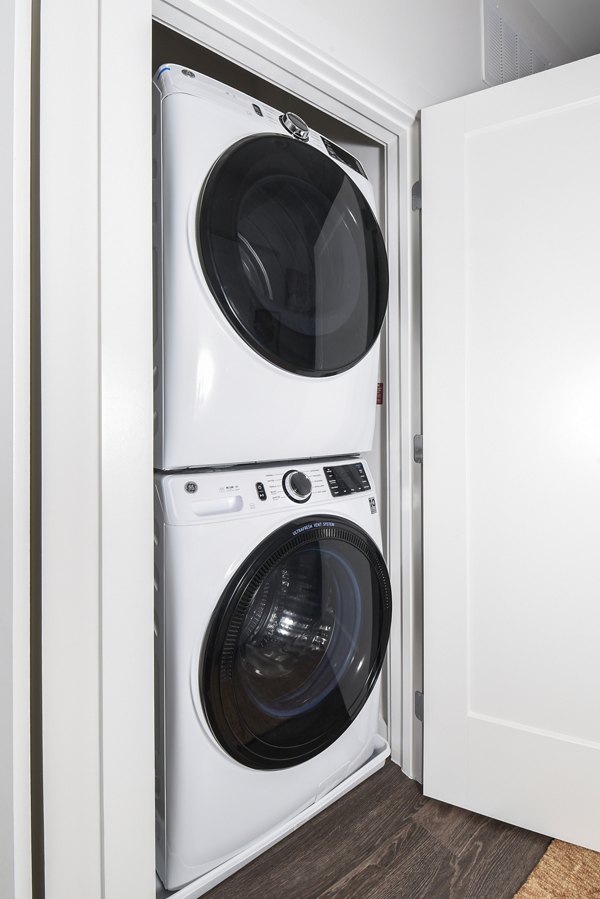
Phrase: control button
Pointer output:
(257, 109)
(295, 125)
(260, 489)
(300, 484)
(297, 486)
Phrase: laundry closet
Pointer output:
(271, 291)
(487, 682)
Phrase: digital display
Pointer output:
(345, 479)
(343, 156)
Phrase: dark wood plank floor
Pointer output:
(384, 840)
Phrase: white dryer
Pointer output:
(273, 611)
(271, 282)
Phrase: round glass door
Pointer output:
(296, 643)
(293, 255)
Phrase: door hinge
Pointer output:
(419, 706)
(418, 448)
(416, 196)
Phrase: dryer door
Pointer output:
(293, 255)
(296, 643)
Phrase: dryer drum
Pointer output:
(296, 643)
(293, 255)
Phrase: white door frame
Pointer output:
(96, 453)
(97, 410)
(15, 113)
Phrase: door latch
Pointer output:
(419, 706)
(418, 449)
(416, 196)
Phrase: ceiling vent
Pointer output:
(506, 54)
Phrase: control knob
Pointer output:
(295, 125)
(297, 486)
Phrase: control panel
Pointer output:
(172, 79)
(345, 479)
(193, 496)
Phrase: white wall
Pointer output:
(418, 51)
(577, 22)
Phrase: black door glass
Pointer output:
(296, 643)
(293, 255)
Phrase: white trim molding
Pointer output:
(15, 189)
(96, 454)
(265, 47)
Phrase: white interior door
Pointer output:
(511, 423)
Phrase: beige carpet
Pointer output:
(564, 872)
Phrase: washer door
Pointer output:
(296, 643)
(293, 255)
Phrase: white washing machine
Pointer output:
(271, 282)
(273, 611)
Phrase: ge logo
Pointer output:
(191, 487)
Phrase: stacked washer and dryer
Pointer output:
(273, 601)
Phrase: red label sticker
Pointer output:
(380, 393)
